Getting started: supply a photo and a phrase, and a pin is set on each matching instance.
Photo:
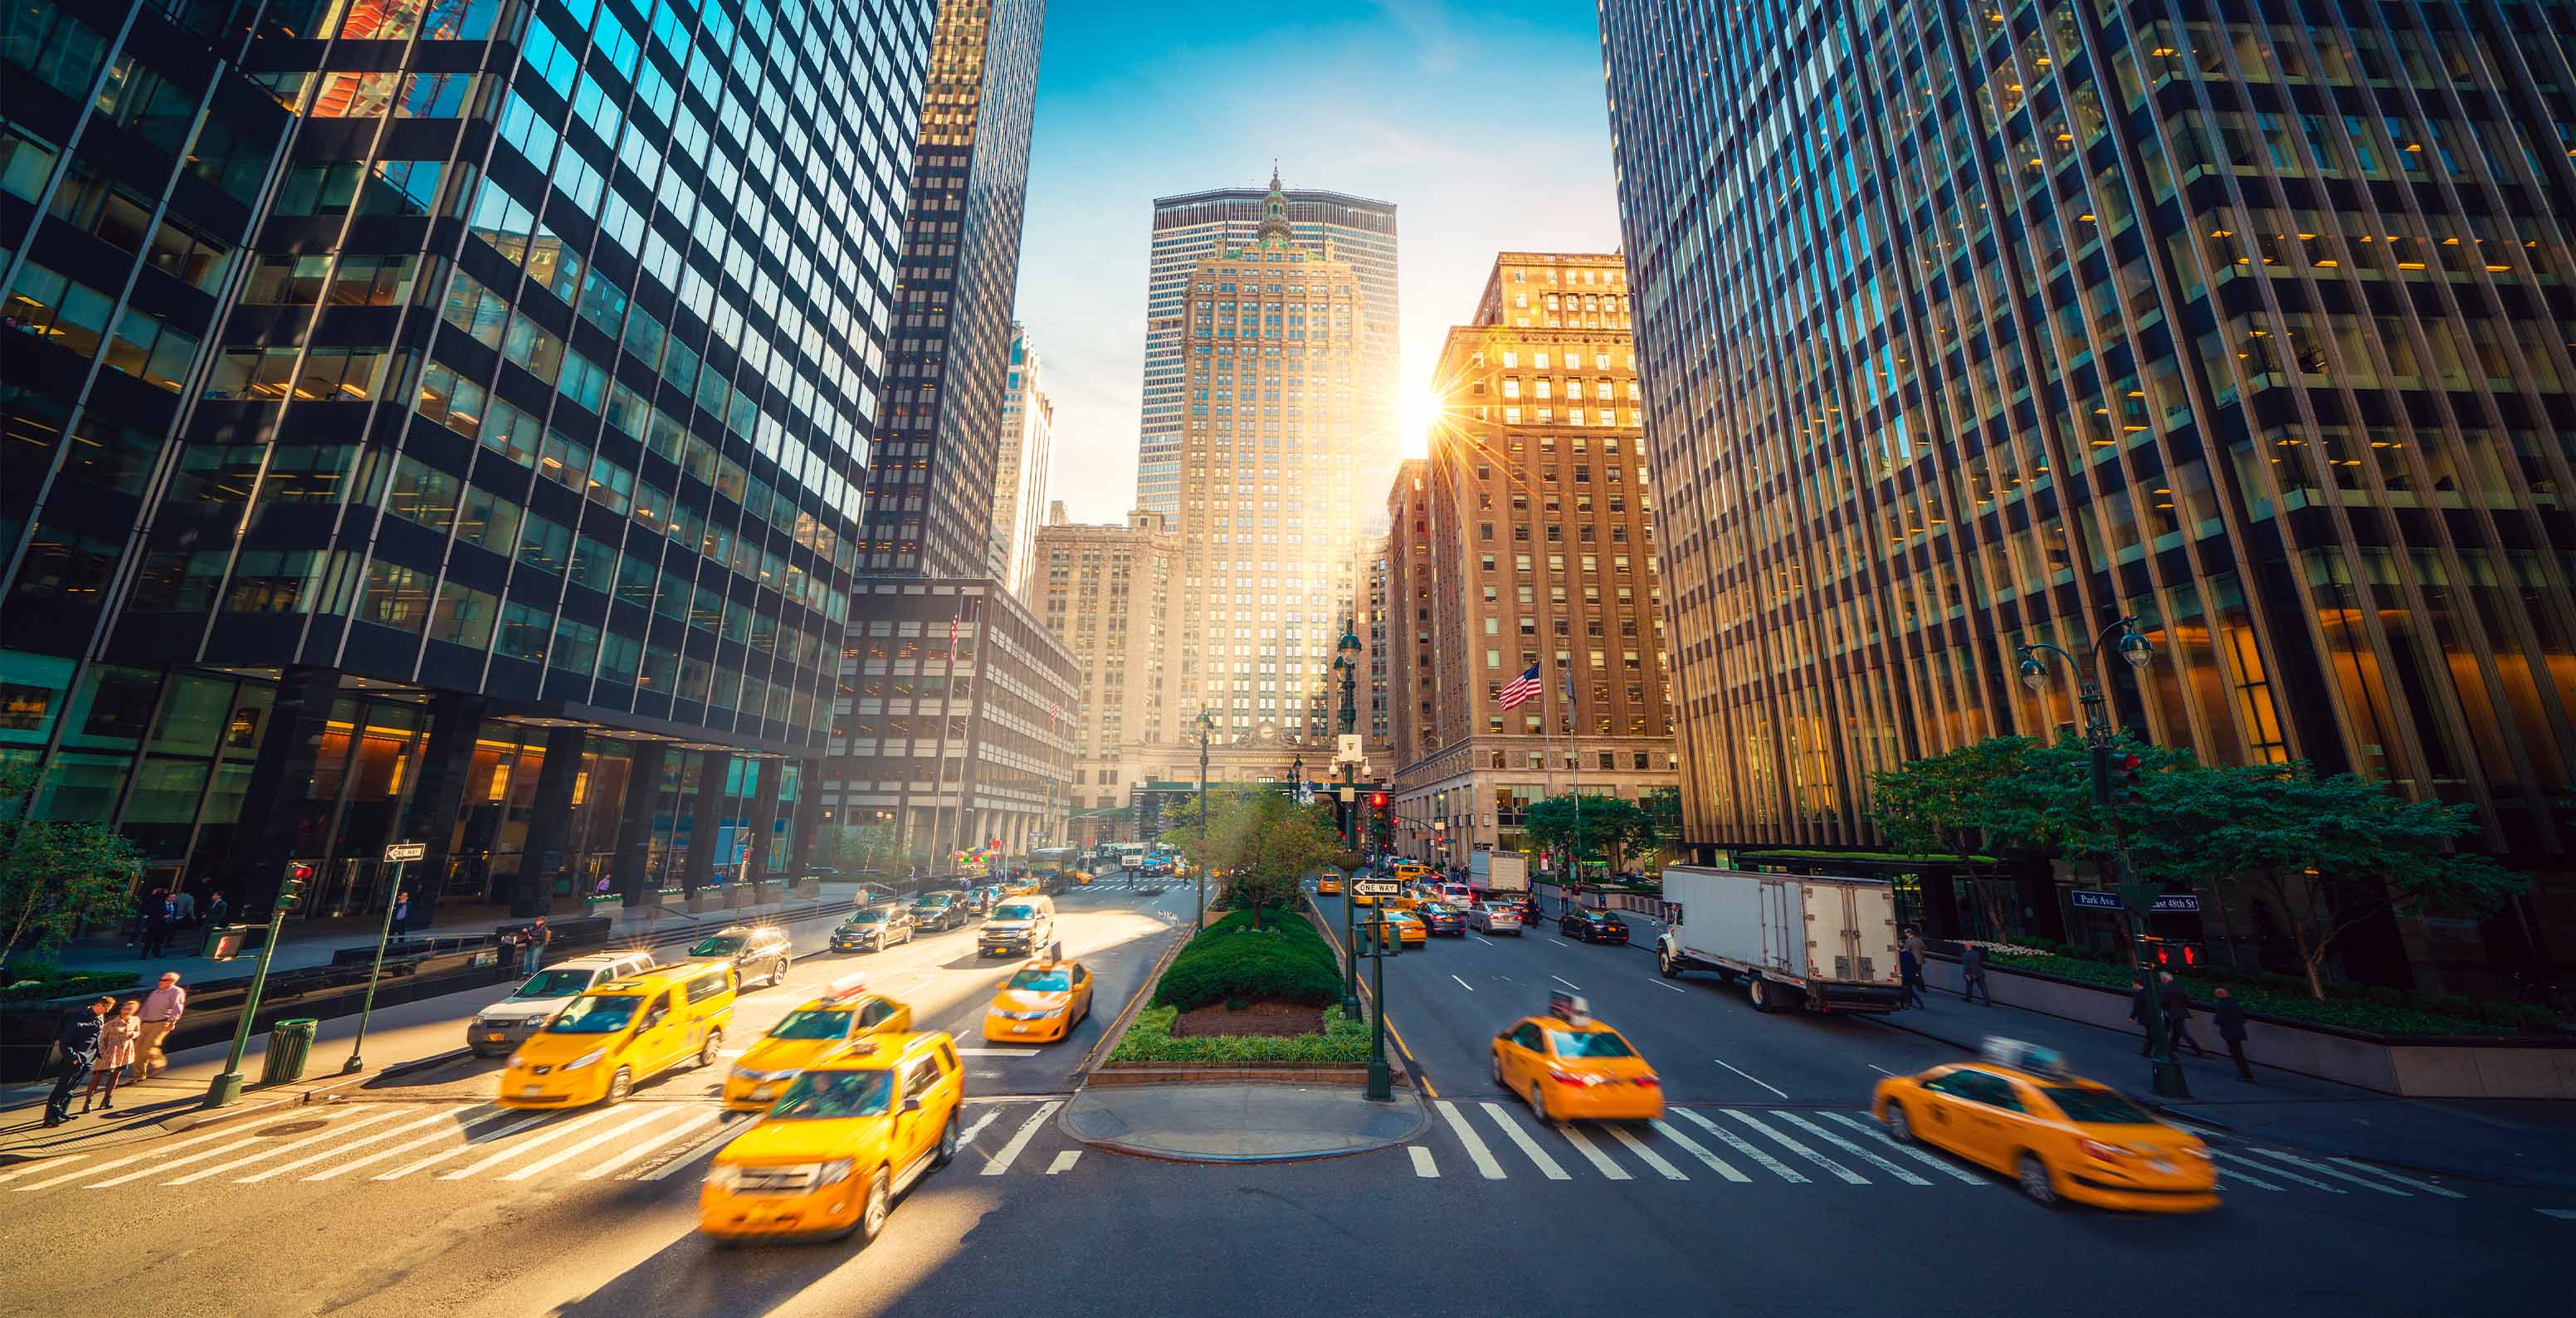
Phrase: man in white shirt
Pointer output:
(162, 1008)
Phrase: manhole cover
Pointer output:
(291, 1128)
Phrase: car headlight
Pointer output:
(833, 1172)
(1049, 1014)
(757, 1077)
(585, 1059)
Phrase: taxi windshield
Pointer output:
(823, 1095)
(2098, 1106)
(1589, 1043)
(815, 1023)
(1015, 911)
(1042, 981)
(720, 945)
(554, 984)
(595, 1013)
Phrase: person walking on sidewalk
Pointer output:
(116, 1036)
(77, 1038)
(532, 945)
(1972, 974)
(217, 908)
(2177, 1007)
(162, 1008)
(1909, 967)
(157, 914)
(2138, 1001)
(2230, 1015)
(183, 907)
(402, 911)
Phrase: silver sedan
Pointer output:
(1494, 919)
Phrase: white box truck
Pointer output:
(1826, 943)
(1494, 873)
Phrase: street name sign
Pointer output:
(402, 852)
(2095, 899)
(1376, 887)
(2178, 903)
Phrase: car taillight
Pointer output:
(1645, 1082)
(2101, 1152)
(1571, 1078)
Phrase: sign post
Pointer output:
(400, 855)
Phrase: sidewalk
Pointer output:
(1240, 1123)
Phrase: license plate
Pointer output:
(1019, 1029)
(2162, 1166)
(531, 1091)
(495, 1038)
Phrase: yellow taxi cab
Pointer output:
(1082, 878)
(2019, 1111)
(621, 1034)
(1328, 886)
(816, 1030)
(1021, 887)
(852, 1131)
(1573, 1068)
(1407, 927)
(1041, 1002)
(1408, 872)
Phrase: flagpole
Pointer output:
(1574, 769)
(1547, 733)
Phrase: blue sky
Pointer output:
(1484, 124)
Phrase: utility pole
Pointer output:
(1207, 724)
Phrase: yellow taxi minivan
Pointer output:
(851, 1133)
(847, 1011)
(621, 1034)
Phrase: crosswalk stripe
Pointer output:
(641, 1147)
(2270, 1170)
(2322, 1170)
(2425, 1186)
(568, 1153)
(343, 1169)
(1477, 1153)
(112, 1163)
(1715, 1163)
(1600, 1161)
(498, 1133)
(2563, 1214)
(1745, 1147)
(215, 1152)
(1651, 1158)
(1423, 1166)
(967, 1136)
(333, 1132)
(529, 1145)
(1848, 1147)
(1064, 1161)
(1924, 1156)
(1001, 1161)
(2232, 1177)
(701, 1149)
(1791, 1143)
(1547, 1166)
(269, 1173)
(39, 1164)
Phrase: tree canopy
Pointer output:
(1611, 828)
(56, 873)
(1257, 843)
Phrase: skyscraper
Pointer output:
(1020, 467)
(1964, 330)
(1191, 228)
(477, 456)
(1112, 596)
(930, 505)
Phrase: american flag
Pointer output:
(1523, 689)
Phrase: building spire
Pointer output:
(1274, 212)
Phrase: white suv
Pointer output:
(503, 1026)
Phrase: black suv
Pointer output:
(1593, 926)
(757, 951)
(939, 912)
(873, 930)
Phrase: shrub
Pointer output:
(1150, 1039)
(1285, 961)
(22, 987)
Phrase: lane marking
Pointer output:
(1547, 1166)
(2322, 1170)
(1880, 1069)
(2203, 1131)
(1600, 1161)
(1848, 1147)
(443, 1155)
(967, 1136)
(1924, 1156)
(1790, 1143)
(1567, 982)
(1748, 1075)
(1745, 1147)
(1658, 982)
(702, 1149)
(2562, 1214)
(1423, 1166)
(1020, 1138)
(1477, 1153)
(1464, 984)
(37, 1164)
(640, 1148)
(335, 1151)
(2426, 1186)
(2231, 1177)
(1651, 1158)
(997, 1052)
(569, 1152)
(1064, 1161)
(215, 1152)
(1715, 1163)
(2270, 1170)
(528, 1145)
(1482, 939)
(406, 1146)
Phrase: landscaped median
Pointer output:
(1239, 1002)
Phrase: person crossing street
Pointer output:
(77, 1037)
(162, 1008)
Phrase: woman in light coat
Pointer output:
(116, 1038)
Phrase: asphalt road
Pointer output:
(419, 1201)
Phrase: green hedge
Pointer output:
(1150, 1039)
(1285, 961)
(2379, 1010)
(37, 983)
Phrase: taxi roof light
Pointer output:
(847, 986)
(2022, 1056)
(1570, 1008)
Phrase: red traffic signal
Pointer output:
(1377, 800)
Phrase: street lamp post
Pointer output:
(1207, 724)
(2138, 896)
(1347, 663)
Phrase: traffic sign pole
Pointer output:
(226, 1087)
(401, 854)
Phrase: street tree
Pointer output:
(2323, 853)
(1663, 805)
(1956, 805)
(1610, 827)
(56, 873)
(1260, 843)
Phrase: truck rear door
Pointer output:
(1872, 920)
(1784, 927)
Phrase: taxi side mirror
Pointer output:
(912, 1104)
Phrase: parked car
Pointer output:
(874, 929)
(757, 951)
(1496, 918)
(939, 912)
(1593, 926)
(506, 1024)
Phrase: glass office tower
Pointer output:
(441, 420)
(1970, 325)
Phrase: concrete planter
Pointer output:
(1170, 1073)
(2476, 1066)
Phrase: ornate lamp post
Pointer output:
(1347, 663)
(2137, 895)
(1207, 725)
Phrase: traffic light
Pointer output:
(290, 889)
(2125, 768)
(1377, 800)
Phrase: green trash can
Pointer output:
(289, 1044)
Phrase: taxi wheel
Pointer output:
(1538, 1103)
(872, 1215)
(619, 1086)
(1900, 1127)
(707, 1050)
(1494, 1062)
(2035, 1181)
(947, 1143)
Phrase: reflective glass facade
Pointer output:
(495, 376)
(1966, 326)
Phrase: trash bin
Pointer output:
(289, 1044)
(224, 941)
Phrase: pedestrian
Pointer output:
(1909, 972)
(162, 1008)
(402, 910)
(116, 1036)
(216, 908)
(183, 907)
(2138, 1005)
(2177, 1008)
(2230, 1015)
(77, 1039)
(157, 913)
(532, 945)
(1972, 974)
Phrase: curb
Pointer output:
(1421, 1122)
(323, 1089)
(1410, 1072)
(1087, 1068)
